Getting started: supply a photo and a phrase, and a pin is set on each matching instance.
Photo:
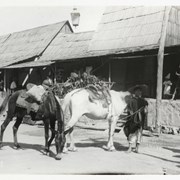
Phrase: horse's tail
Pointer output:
(4, 103)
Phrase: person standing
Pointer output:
(167, 87)
(47, 83)
(13, 86)
(176, 93)
(137, 111)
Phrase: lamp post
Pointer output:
(75, 17)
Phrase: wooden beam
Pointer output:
(160, 59)
(132, 57)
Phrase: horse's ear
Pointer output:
(127, 98)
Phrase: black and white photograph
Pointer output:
(89, 88)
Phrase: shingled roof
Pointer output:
(128, 29)
(122, 29)
(23, 45)
(3, 39)
(68, 46)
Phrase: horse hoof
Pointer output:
(105, 147)
(47, 153)
(58, 157)
(17, 147)
(136, 151)
(65, 150)
(73, 149)
(110, 149)
(46, 150)
(128, 151)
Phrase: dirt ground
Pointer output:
(158, 155)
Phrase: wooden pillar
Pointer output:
(28, 75)
(5, 80)
(55, 72)
(109, 77)
(160, 60)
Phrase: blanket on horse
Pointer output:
(26, 102)
(100, 94)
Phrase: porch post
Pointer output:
(160, 59)
(55, 71)
(5, 80)
(28, 75)
(109, 78)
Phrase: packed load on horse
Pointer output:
(97, 88)
(36, 92)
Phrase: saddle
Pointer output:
(99, 93)
(28, 102)
(24, 101)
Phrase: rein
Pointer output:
(139, 110)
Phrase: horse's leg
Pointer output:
(67, 136)
(139, 136)
(68, 131)
(15, 129)
(3, 127)
(72, 146)
(65, 149)
(46, 131)
(52, 125)
(112, 125)
(69, 127)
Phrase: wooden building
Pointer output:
(131, 45)
(27, 46)
(144, 43)
(70, 53)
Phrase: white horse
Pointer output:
(77, 102)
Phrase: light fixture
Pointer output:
(75, 17)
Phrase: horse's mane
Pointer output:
(49, 101)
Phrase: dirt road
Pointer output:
(158, 155)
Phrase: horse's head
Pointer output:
(59, 142)
(60, 135)
(127, 98)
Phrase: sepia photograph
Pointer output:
(89, 88)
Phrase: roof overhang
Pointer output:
(32, 64)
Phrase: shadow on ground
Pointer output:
(25, 146)
(164, 159)
(174, 151)
(99, 142)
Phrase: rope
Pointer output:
(139, 110)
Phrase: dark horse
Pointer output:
(49, 111)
